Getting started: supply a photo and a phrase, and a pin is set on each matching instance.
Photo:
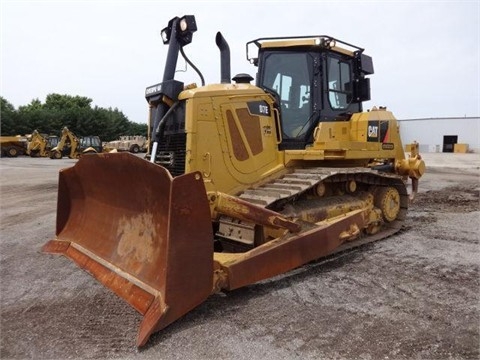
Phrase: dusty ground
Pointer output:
(412, 296)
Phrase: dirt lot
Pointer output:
(414, 295)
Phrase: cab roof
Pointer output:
(320, 41)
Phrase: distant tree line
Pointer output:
(74, 112)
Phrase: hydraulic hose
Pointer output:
(158, 133)
(192, 65)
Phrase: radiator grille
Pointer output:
(171, 153)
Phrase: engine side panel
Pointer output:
(232, 139)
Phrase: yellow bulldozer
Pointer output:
(242, 181)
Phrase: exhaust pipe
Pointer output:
(224, 58)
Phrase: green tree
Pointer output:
(8, 117)
(138, 129)
(65, 102)
(74, 112)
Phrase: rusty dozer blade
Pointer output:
(140, 232)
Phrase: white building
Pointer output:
(440, 134)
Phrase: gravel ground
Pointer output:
(414, 295)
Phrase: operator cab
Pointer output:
(314, 79)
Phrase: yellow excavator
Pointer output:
(72, 146)
(40, 145)
(242, 182)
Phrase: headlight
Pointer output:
(165, 36)
(183, 24)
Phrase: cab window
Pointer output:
(339, 83)
(289, 74)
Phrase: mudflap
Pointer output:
(140, 232)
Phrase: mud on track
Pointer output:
(414, 295)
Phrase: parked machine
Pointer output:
(73, 147)
(12, 146)
(40, 144)
(134, 144)
(244, 181)
(89, 144)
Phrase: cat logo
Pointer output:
(372, 131)
(377, 131)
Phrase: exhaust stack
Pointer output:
(224, 58)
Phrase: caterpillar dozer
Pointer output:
(242, 182)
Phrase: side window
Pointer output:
(339, 83)
(282, 86)
(292, 97)
(304, 95)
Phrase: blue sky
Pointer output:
(426, 54)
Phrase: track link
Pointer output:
(292, 187)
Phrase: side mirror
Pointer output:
(363, 90)
(360, 91)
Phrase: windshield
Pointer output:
(290, 76)
(89, 141)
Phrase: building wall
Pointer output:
(429, 133)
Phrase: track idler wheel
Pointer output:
(387, 199)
